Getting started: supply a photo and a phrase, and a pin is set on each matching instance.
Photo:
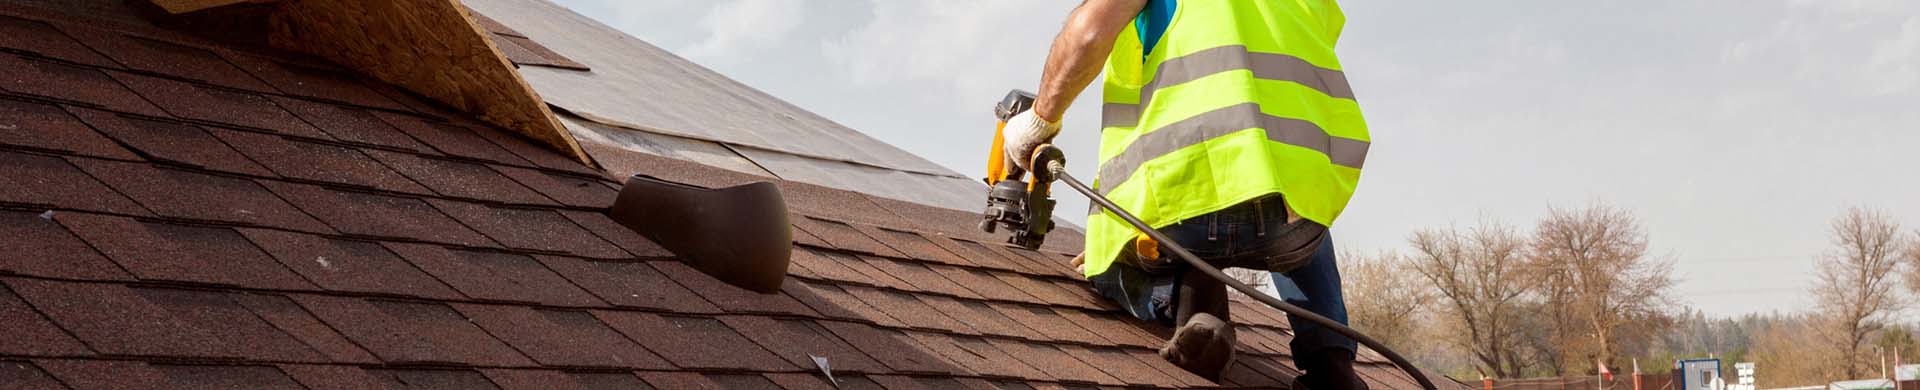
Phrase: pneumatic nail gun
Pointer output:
(1021, 207)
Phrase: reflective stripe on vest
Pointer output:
(1344, 152)
(1268, 66)
(1239, 99)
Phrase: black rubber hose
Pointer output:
(1059, 171)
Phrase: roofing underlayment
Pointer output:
(179, 213)
(639, 97)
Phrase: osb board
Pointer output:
(432, 47)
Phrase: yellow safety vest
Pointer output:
(1239, 99)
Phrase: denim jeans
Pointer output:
(1250, 235)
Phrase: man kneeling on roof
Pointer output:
(1228, 126)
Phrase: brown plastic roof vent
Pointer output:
(739, 234)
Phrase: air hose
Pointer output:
(1059, 170)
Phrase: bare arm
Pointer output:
(1080, 51)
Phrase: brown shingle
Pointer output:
(844, 236)
(621, 236)
(348, 265)
(1117, 331)
(349, 124)
(529, 228)
(977, 355)
(102, 374)
(1120, 365)
(403, 218)
(71, 83)
(628, 284)
(1049, 323)
(693, 342)
(495, 276)
(172, 142)
(318, 162)
(983, 283)
(727, 297)
(910, 310)
(1058, 363)
(424, 379)
(51, 181)
(799, 340)
(289, 317)
(835, 302)
(161, 251)
(112, 319)
(827, 265)
(459, 179)
(450, 139)
(519, 146)
(243, 334)
(406, 332)
(318, 377)
(891, 347)
(569, 190)
(679, 380)
(42, 39)
(312, 81)
(182, 194)
(560, 380)
(42, 247)
(564, 338)
(227, 377)
(29, 333)
(918, 382)
(980, 254)
(46, 126)
(922, 278)
(913, 245)
(225, 107)
(24, 375)
(982, 317)
(169, 58)
(1041, 289)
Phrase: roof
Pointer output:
(190, 214)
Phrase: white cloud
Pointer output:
(738, 26)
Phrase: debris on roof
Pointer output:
(184, 213)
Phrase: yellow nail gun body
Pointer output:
(1021, 207)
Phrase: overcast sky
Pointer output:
(1735, 129)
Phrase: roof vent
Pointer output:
(738, 234)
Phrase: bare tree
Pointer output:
(1856, 285)
(1479, 278)
(1789, 353)
(1385, 297)
(1605, 293)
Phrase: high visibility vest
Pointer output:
(1237, 100)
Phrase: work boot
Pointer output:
(1204, 346)
(1327, 369)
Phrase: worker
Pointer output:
(1229, 126)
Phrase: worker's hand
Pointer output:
(1080, 264)
(1025, 132)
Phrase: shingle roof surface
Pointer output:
(282, 224)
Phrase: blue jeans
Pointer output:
(1252, 235)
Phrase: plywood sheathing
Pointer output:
(432, 47)
(184, 6)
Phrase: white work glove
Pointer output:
(1024, 132)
